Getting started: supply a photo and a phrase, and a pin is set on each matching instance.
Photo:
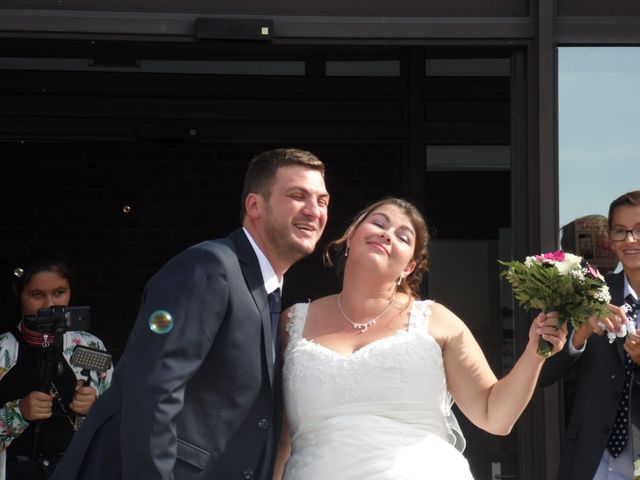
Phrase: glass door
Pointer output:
(468, 185)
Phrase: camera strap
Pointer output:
(36, 339)
(67, 414)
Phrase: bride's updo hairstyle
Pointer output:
(334, 254)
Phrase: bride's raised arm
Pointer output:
(491, 404)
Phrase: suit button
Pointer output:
(263, 424)
(247, 474)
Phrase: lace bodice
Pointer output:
(380, 413)
(319, 378)
(393, 390)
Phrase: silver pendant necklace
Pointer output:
(363, 327)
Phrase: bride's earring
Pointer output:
(346, 250)
(400, 280)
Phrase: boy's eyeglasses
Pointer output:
(620, 234)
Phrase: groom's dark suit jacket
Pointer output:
(599, 380)
(196, 402)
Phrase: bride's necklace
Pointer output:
(363, 327)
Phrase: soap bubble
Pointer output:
(161, 322)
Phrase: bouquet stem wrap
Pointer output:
(558, 282)
(545, 349)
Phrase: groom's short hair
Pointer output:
(263, 168)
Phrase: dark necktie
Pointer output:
(274, 308)
(619, 433)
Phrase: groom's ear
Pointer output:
(253, 205)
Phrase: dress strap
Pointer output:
(420, 313)
(297, 319)
(419, 321)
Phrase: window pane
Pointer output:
(363, 68)
(204, 67)
(599, 145)
(467, 67)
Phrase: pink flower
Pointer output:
(557, 256)
(550, 257)
(75, 341)
(595, 273)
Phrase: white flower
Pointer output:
(636, 466)
(631, 326)
(626, 328)
(569, 263)
(579, 274)
(602, 294)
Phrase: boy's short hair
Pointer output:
(629, 199)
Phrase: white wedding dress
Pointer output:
(381, 413)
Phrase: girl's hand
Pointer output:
(36, 406)
(83, 398)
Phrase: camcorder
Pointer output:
(57, 319)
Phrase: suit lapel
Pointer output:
(616, 288)
(635, 413)
(253, 278)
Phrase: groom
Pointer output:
(193, 395)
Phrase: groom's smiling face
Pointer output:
(295, 213)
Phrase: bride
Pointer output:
(370, 374)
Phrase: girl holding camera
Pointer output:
(42, 399)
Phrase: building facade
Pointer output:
(125, 130)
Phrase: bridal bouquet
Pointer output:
(560, 282)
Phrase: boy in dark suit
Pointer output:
(599, 439)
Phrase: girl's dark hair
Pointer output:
(20, 268)
(334, 253)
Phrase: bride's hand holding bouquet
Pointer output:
(563, 283)
(547, 327)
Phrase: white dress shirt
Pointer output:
(271, 280)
